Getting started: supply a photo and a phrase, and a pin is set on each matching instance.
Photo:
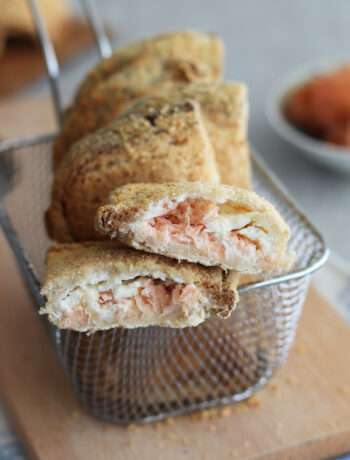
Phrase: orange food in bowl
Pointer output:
(321, 107)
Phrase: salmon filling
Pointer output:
(147, 298)
(187, 223)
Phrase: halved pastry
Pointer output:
(224, 108)
(165, 145)
(211, 224)
(95, 286)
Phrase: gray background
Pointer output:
(264, 40)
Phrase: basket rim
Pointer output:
(28, 270)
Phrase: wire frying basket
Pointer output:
(147, 374)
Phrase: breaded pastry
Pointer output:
(201, 54)
(224, 109)
(212, 224)
(144, 75)
(96, 286)
(166, 145)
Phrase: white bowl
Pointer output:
(331, 156)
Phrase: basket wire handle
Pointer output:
(96, 24)
(51, 61)
(52, 66)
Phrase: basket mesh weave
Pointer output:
(150, 373)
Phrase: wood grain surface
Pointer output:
(304, 412)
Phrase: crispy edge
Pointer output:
(178, 44)
(130, 201)
(112, 96)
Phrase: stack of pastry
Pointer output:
(151, 204)
(153, 214)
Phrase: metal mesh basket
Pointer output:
(147, 374)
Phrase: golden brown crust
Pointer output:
(66, 261)
(130, 201)
(166, 145)
(203, 52)
(223, 103)
(224, 110)
(145, 75)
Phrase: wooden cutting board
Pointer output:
(304, 413)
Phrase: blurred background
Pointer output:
(264, 40)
